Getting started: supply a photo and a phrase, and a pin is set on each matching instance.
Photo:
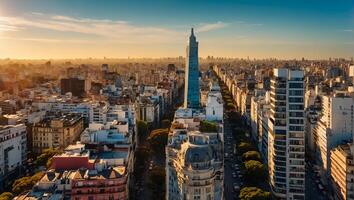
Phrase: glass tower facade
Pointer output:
(191, 88)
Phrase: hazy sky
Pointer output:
(148, 28)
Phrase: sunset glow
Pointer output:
(61, 29)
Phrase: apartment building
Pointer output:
(286, 137)
(56, 131)
(342, 171)
(13, 149)
(334, 127)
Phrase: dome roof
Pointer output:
(197, 154)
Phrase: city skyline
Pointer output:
(257, 29)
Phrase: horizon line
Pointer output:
(176, 57)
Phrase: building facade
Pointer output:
(194, 165)
(334, 127)
(342, 172)
(286, 137)
(57, 132)
(13, 149)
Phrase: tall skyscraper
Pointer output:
(191, 88)
(286, 137)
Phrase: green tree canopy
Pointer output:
(158, 139)
(243, 147)
(45, 156)
(251, 155)
(26, 183)
(254, 193)
(255, 170)
(6, 196)
(142, 127)
(208, 127)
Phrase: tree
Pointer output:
(208, 127)
(158, 140)
(6, 196)
(45, 156)
(243, 147)
(254, 193)
(49, 163)
(251, 155)
(255, 170)
(142, 128)
(26, 183)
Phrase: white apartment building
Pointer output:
(334, 127)
(214, 107)
(13, 148)
(286, 137)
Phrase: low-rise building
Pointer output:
(56, 131)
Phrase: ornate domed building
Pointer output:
(195, 169)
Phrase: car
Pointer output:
(236, 188)
(320, 187)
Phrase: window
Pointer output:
(296, 92)
(296, 114)
(296, 85)
(296, 128)
(296, 121)
(296, 99)
(296, 107)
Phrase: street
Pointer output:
(312, 184)
(232, 173)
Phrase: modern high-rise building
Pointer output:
(191, 87)
(286, 137)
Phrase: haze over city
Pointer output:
(36, 29)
